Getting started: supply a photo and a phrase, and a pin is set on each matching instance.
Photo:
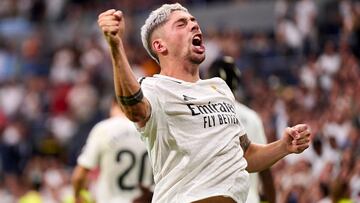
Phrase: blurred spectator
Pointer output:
(309, 74)
(8, 61)
(289, 33)
(12, 94)
(15, 147)
(82, 98)
(63, 127)
(329, 61)
(355, 182)
(305, 17)
(63, 69)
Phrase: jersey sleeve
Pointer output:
(242, 129)
(90, 155)
(242, 126)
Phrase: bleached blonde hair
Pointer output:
(157, 18)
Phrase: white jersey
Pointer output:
(193, 140)
(115, 146)
(255, 131)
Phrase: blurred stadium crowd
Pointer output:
(56, 83)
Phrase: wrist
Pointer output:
(284, 148)
(116, 47)
(114, 42)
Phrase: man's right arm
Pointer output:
(127, 89)
(78, 180)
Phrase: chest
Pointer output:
(198, 114)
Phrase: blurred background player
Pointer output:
(114, 145)
(225, 68)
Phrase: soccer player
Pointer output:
(196, 144)
(115, 147)
(226, 69)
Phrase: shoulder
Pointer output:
(149, 86)
(216, 80)
(148, 81)
(151, 89)
(101, 125)
(109, 123)
(99, 130)
(220, 85)
(119, 123)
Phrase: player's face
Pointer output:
(183, 37)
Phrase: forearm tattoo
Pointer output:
(244, 142)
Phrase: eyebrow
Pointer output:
(182, 19)
(185, 19)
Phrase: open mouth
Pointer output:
(198, 45)
(197, 40)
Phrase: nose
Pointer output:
(194, 26)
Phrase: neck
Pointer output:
(116, 111)
(185, 71)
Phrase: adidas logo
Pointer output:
(187, 98)
(218, 90)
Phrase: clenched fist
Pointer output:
(297, 138)
(112, 24)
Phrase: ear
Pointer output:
(158, 46)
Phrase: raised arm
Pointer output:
(260, 157)
(127, 89)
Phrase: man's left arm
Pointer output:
(260, 157)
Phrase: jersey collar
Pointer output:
(174, 79)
